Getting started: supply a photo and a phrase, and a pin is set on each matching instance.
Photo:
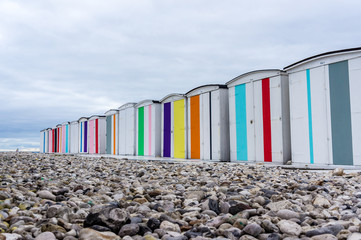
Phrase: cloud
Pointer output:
(61, 60)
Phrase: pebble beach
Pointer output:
(49, 196)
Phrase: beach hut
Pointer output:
(44, 141)
(74, 137)
(59, 138)
(325, 108)
(174, 126)
(259, 117)
(127, 129)
(55, 139)
(48, 137)
(148, 124)
(208, 133)
(96, 136)
(83, 134)
(65, 136)
(51, 140)
(112, 130)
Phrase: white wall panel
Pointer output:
(251, 148)
(205, 126)
(130, 131)
(122, 132)
(355, 95)
(258, 120)
(276, 119)
(152, 124)
(216, 128)
(319, 115)
(74, 138)
(299, 117)
(232, 123)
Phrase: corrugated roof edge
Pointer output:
(111, 110)
(147, 100)
(207, 85)
(173, 94)
(321, 55)
(83, 117)
(96, 116)
(251, 72)
(128, 103)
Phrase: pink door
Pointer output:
(91, 137)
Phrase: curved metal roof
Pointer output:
(85, 118)
(251, 73)
(126, 105)
(145, 101)
(322, 55)
(111, 112)
(173, 95)
(208, 85)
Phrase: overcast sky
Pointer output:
(60, 60)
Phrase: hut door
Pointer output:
(179, 129)
(195, 127)
(109, 135)
(167, 130)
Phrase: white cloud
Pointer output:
(61, 60)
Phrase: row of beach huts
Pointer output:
(309, 112)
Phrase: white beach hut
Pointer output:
(65, 129)
(74, 137)
(44, 140)
(112, 131)
(174, 126)
(127, 129)
(83, 135)
(259, 117)
(325, 108)
(148, 124)
(208, 134)
(96, 134)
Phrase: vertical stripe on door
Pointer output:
(53, 143)
(96, 135)
(309, 106)
(60, 139)
(67, 139)
(167, 129)
(109, 135)
(340, 113)
(114, 135)
(266, 107)
(241, 122)
(150, 131)
(179, 129)
(141, 131)
(81, 137)
(195, 127)
(210, 125)
(56, 140)
(86, 136)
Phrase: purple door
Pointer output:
(86, 136)
(167, 130)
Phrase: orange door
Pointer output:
(195, 128)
